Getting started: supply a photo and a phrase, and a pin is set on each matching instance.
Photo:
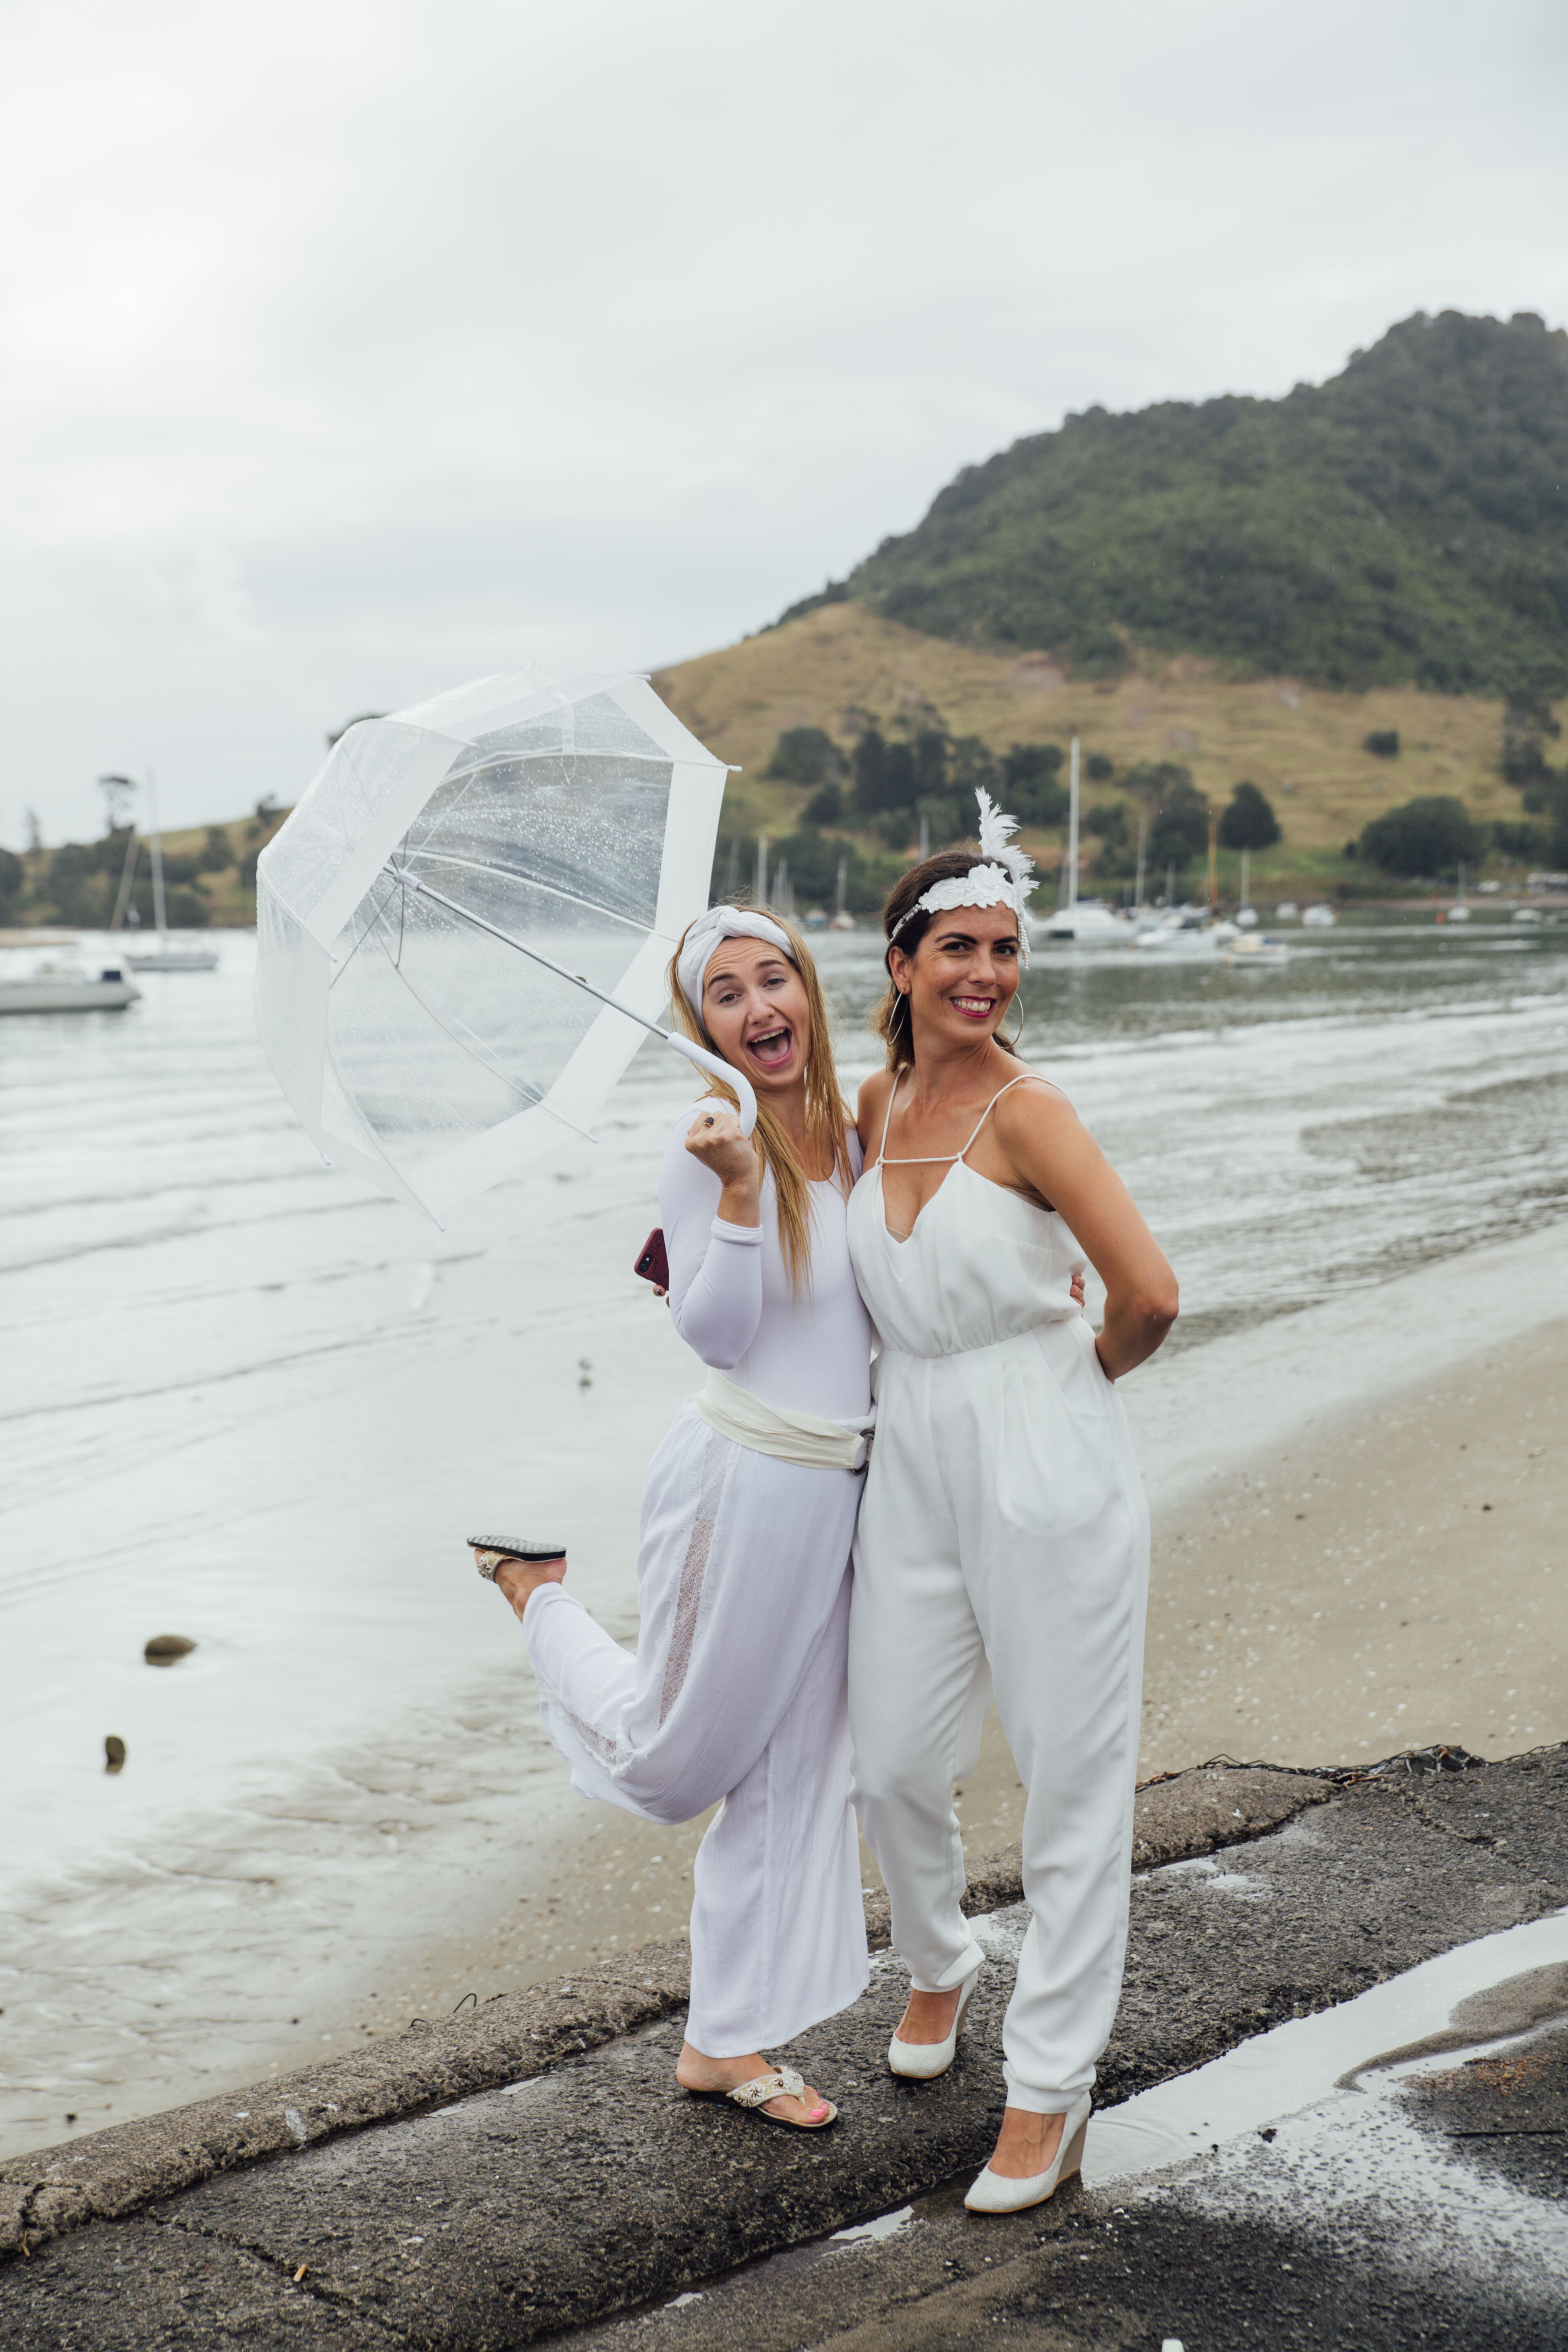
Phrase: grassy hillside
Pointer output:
(1301, 744)
(1404, 523)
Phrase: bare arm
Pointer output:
(1050, 1148)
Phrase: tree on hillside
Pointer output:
(215, 855)
(1249, 821)
(1430, 837)
(1528, 726)
(13, 875)
(1382, 742)
(825, 805)
(1177, 812)
(1032, 783)
(884, 774)
(804, 755)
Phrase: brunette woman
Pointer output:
(1002, 1547)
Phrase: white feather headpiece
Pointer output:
(1005, 877)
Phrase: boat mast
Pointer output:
(841, 888)
(127, 875)
(1246, 878)
(155, 844)
(1142, 847)
(1072, 826)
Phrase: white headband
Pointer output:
(1005, 877)
(705, 935)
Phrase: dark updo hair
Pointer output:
(890, 1016)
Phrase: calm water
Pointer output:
(246, 1401)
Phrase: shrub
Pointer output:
(803, 755)
(1249, 821)
(216, 855)
(13, 875)
(1034, 791)
(1383, 743)
(1098, 769)
(825, 805)
(1431, 836)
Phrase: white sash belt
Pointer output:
(802, 1437)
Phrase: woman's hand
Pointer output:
(715, 1138)
(1077, 1288)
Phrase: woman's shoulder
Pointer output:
(1028, 1098)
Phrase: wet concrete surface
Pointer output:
(596, 2189)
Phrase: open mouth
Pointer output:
(973, 1008)
(772, 1049)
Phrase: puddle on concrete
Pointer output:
(1468, 1999)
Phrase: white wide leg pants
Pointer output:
(1002, 1549)
(737, 1691)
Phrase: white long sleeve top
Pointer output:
(731, 1297)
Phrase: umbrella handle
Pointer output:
(719, 1069)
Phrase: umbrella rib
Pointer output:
(467, 1043)
(476, 866)
(412, 882)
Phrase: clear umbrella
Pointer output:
(466, 924)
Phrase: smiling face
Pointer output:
(963, 975)
(755, 1008)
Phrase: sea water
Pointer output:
(249, 1402)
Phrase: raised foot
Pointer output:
(520, 1580)
(694, 2071)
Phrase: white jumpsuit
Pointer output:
(737, 1689)
(1003, 1550)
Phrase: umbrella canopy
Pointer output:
(466, 924)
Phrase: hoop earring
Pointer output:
(1013, 1041)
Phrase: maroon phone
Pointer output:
(652, 1264)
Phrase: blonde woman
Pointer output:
(737, 1689)
(1004, 1543)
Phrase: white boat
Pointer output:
(165, 956)
(1321, 917)
(1247, 913)
(1458, 912)
(1255, 950)
(62, 983)
(1085, 922)
(1527, 915)
(841, 918)
(1089, 923)
(1186, 930)
(1286, 911)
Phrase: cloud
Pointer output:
(347, 350)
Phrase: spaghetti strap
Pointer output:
(1022, 1079)
(935, 1158)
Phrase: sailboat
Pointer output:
(165, 956)
(1459, 912)
(843, 921)
(1247, 913)
(1086, 921)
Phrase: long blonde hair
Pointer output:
(827, 1117)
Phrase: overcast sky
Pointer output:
(354, 347)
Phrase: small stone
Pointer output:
(113, 1752)
(164, 1648)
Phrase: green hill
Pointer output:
(1406, 523)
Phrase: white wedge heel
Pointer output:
(922, 2062)
(994, 2193)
